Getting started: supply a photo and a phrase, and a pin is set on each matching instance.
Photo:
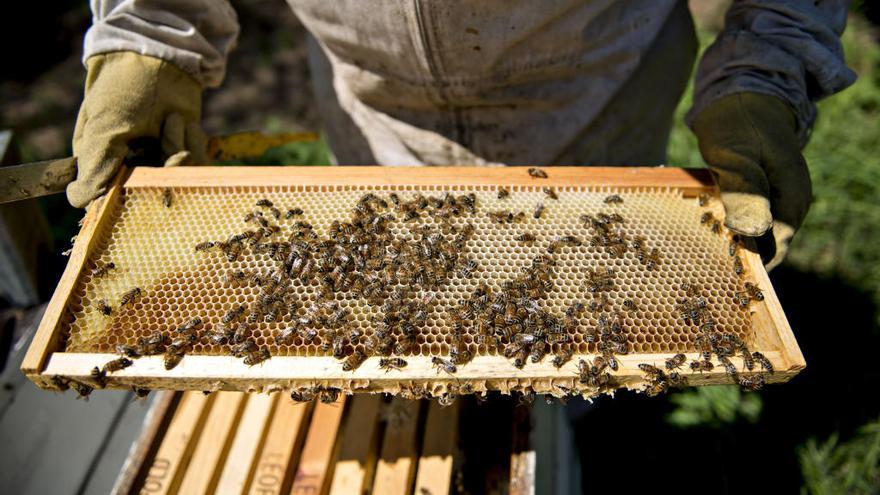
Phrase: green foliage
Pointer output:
(297, 153)
(840, 236)
(713, 407)
(835, 467)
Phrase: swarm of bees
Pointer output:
(366, 258)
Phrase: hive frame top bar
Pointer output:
(45, 359)
(689, 181)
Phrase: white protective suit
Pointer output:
(470, 82)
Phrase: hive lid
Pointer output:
(151, 247)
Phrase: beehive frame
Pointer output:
(47, 358)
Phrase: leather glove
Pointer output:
(130, 97)
(751, 144)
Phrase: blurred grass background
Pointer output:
(819, 434)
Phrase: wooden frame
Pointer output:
(45, 359)
(345, 447)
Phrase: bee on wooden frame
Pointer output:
(389, 364)
(444, 365)
(256, 356)
(537, 173)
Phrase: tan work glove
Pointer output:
(130, 97)
(750, 142)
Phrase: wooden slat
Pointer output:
(356, 461)
(157, 419)
(691, 181)
(440, 445)
(46, 339)
(212, 447)
(169, 465)
(238, 469)
(396, 468)
(279, 458)
(314, 465)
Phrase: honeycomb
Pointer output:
(152, 247)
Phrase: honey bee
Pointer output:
(233, 314)
(293, 212)
(190, 325)
(748, 360)
(153, 344)
(82, 389)
(707, 218)
(140, 393)
(275, 212)
(526, 237)
(613, 199)
(734, 245)
(716, 227)
(754, 292)
(537, 173)
(205, 246)
(652, 371)
(738, 265)
(742, 298)
(389, 364)
(100, 271)
(729, 368)
(550, 192)
(762, 361)
(675, 362)
(305, 395)
(630, 306)
(59, 384)
(243, 348)
(444, 365)
(702, 366)
(703, 199)
(103, 307)
(256, 356)
(167, 197)
(354, 360)
(329, 395)
(117, 364)
(99, 376)
(265, 203)
(649, 259)
(129, 296)
(539, 210)
(128, 350)
(467, 268)
(751, 383)
(503, 193)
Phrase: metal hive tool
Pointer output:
(151, 246)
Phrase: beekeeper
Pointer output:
(490, 82)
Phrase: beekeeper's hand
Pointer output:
(751, 145)
(128, 97)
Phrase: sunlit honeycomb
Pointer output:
(152, 247)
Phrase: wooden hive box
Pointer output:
(152, 247)
(237, 443)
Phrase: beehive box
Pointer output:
(235, 443)
(152, 248)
